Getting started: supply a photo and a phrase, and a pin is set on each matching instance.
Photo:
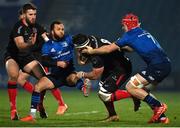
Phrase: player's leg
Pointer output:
(35, 69)
(62, 107)
(22, 81)
(13, 72)
(104, 94)
(43, 84)
(134, 87)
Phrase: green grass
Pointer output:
(87, 112)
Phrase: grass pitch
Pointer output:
(87, 112)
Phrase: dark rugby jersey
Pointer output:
(21, 29)
(108, 61)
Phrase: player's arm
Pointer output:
(127, 49)
(101, 50)
(79, 57)
(62, 64)
(22, 45)
(92, 75)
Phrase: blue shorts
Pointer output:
(60, 80)
(156, 73)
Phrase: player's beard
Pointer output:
(57, 37)
(29, 22)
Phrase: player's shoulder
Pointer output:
(68, 36)
(18, 24)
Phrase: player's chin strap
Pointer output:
(82, 45)
(136, 82)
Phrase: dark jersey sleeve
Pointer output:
(17, 30)
(40, 29)
(97, 62)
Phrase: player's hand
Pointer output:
(80, 74)
(62, 64)
(87, 50)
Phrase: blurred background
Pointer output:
(102, 18)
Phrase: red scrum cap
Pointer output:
(131, 21)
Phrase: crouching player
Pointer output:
(114, 69)
(57, 54)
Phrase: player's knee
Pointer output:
(13, 77)
(134, 82)
(21, 80)
(37, 88)
(104, 96)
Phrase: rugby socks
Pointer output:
(152, 102)
(28, 87)
(79, 84)
(119, 94)
(12, 92)
(110, 108)
(42, 95)
(57, 94)
(35, 99)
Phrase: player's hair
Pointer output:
(80, 40)
(28, 6)
(20, 12)
(53, 23)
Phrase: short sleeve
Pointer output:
(45, 49)
(41, 29)
(69, 39)
(17, 30)
(122, 41)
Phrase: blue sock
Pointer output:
(152, 102)
(35, 99)
(79, 84)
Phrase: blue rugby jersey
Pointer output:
(61, 50)
(145, 45)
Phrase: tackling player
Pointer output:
(18, 53)
(113, 69)
(57, 54)
(158, 64)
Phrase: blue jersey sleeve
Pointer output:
(45, 49)
(69, 39)
(122, 41)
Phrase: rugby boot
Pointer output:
(14, 115)
(62, 109)
(86, 87)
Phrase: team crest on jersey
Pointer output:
(64, 44)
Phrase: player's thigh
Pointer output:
(12, 69)
(43, 84)
(136, 81)
(22, 78)
(35, 68)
